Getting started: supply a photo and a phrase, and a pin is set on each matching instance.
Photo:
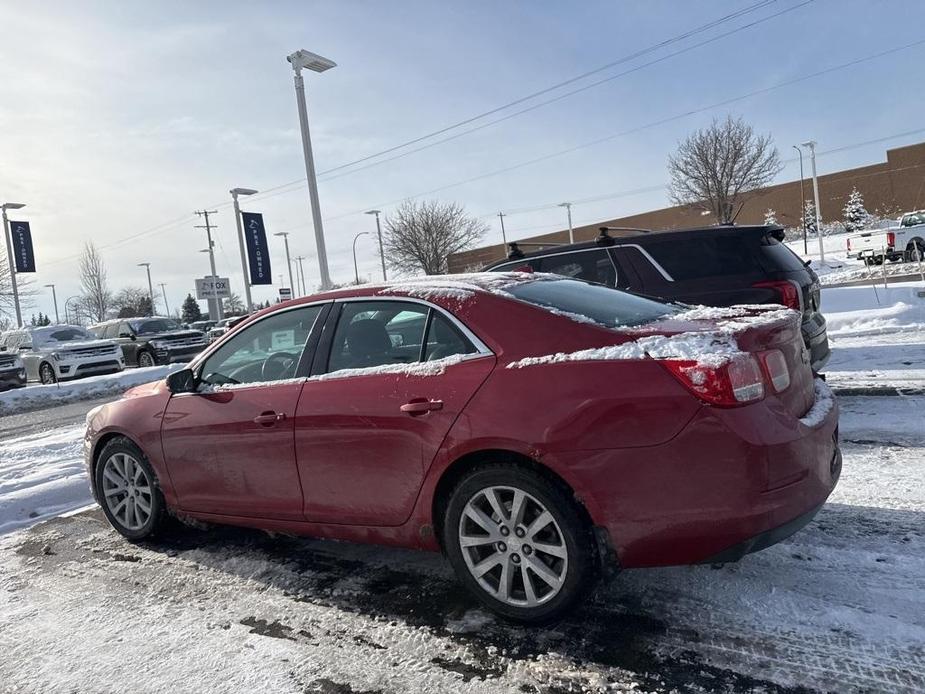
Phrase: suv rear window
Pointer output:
(777, 257)
(610, 307)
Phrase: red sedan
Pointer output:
(534, 428)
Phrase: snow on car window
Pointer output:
(67, 334)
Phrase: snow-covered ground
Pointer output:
(839, 268)
(835, 608)
(34, 397)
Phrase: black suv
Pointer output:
(152, 340)
(715, 266)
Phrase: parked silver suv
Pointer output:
(57, 352)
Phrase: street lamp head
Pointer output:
(205, 250)
(310, 61)
(809, 143)
(376, 212)
(50, 285)
(281, 233)
(144, 264)
(243, 191)
(13, 205)
(564, 204)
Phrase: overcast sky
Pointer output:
(118, 119)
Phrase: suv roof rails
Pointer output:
(605, 239)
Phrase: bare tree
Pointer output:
(420, 236)
(96, 299)
(131, 302)
(233, 305)
(718, 168)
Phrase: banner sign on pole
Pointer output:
(258, 254)
(22, 246)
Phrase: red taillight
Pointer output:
(890, 239)
(775, 366)
(789, 292)
(736, 382)
(523, 268)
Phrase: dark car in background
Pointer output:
(714, 266)
(152, 340)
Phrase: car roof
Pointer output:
(641, 238)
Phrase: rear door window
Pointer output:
(591, 266)
(776, 257)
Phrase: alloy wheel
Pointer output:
(145, 359)
(127, 491)
(513, 546)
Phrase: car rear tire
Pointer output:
(145, 359)
(47, 374)
(518, 542)
(128, 490)
(915, 251)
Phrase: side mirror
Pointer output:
(25, 348)
(183, 381)
(128, 335)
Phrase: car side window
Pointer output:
(521, 265)
(592, 266)
(444, 339)
(269, 350)
(378, 333)
(124, 329)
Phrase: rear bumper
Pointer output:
(732, 482)
(12, 378)
(816, 338)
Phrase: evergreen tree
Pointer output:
(809, 217)
(44, 319)
(770, 217)
(856, 215)
(190, 311)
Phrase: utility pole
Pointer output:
(381, 248)
(293, 289)
(812, 157)
(215, 305)
(164, 293)
(54, 298)
(802, 201)
(503, 235)
(571, 232)
(300, 258)
(147, 266)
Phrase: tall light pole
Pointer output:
(311, 61)
(381, 248)
(503, 235)
(9, 256)
(147, 266)
(163, 286)
(300, 258)
(285, 235)
(54, 298)
(356, 271)
(571, 232)
(812, 157)
(802, 201)
(215, 305)
(235, 192)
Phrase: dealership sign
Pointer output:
(258, 253)
(22, 246)
(285, 293)
(213, 288)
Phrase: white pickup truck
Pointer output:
(905, 241)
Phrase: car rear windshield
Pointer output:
(610, 307)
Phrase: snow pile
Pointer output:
(41, 476)
(855, 311)
(825, 401)
(41, 396)
(732, 319)
(707, 349)
(424, 368)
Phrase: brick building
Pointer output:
(889, 187)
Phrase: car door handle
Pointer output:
(422, 406)
(269, 418)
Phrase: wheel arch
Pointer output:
(460, 467)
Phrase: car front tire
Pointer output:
(128, 490)
(47, 374)
(518, 543)
(146, 359)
